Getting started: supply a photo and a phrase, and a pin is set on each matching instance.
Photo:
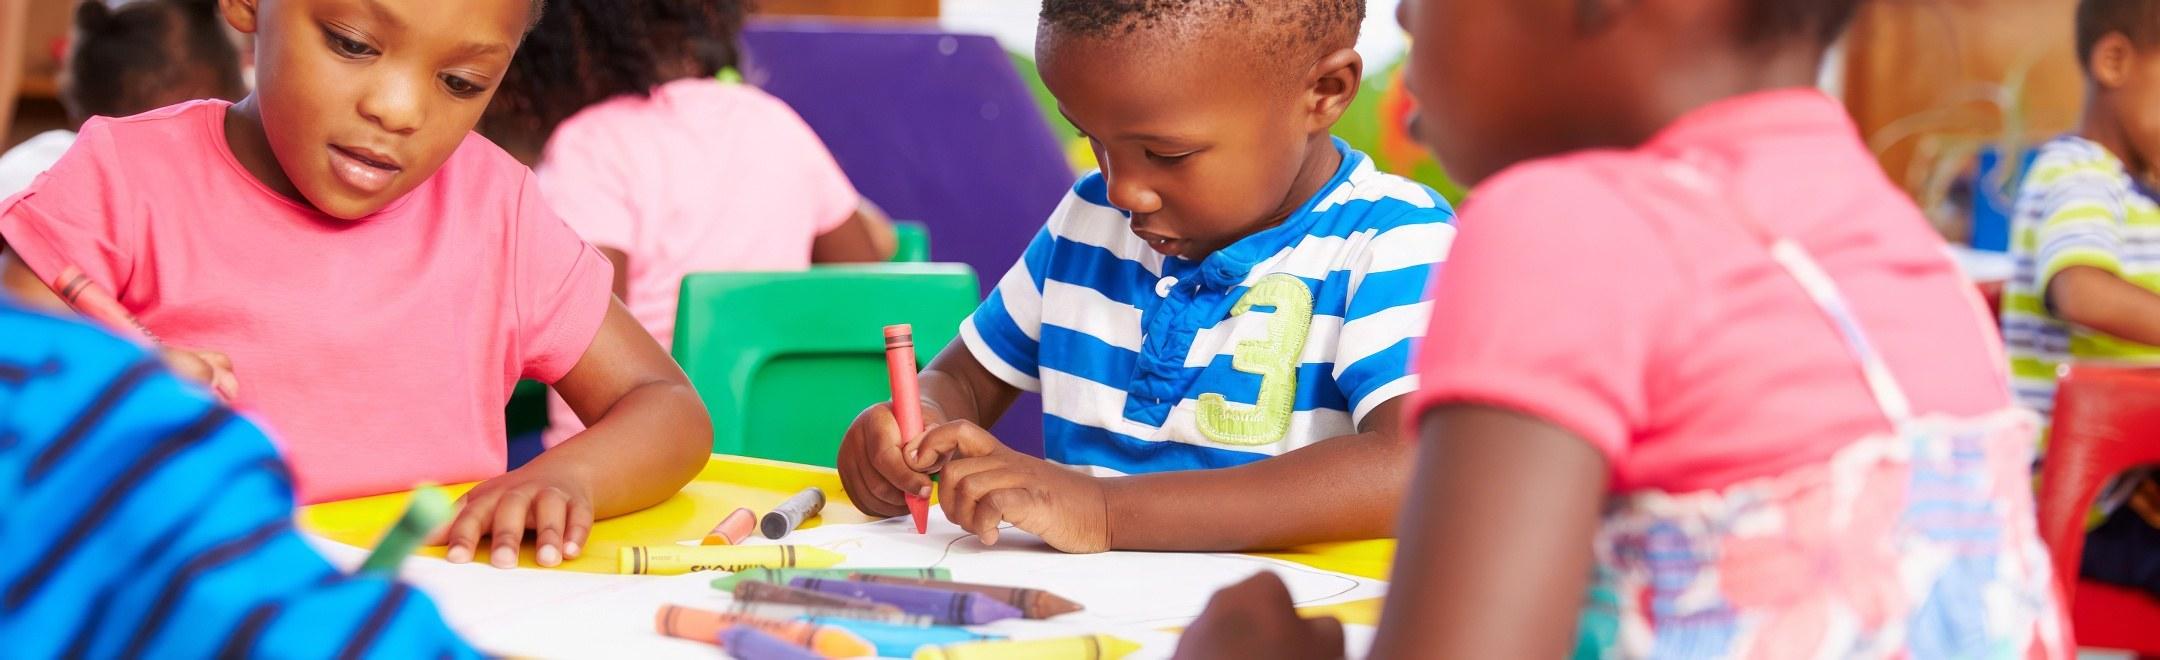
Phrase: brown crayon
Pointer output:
(1033, 603)
(765, 592)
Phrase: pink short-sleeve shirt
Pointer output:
(1659, 330)
(380, 351)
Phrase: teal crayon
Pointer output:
(901, 641)
(428, 508)
(781, 576)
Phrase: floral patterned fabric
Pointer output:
(1919, 544)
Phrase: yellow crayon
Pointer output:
(1085, 647)
(680, 559)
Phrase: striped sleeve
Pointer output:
(1387, 312)
(146, 521)
(2080, 215)
(1005, 332)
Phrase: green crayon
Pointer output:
(781, 576)
(429, 507)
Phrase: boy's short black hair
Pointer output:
(1316, 26)
(125, 60)
(1820, 21)
(2137, 20)
(583, 52)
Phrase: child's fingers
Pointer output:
(466, 528)
(955, 472)
(550, 513)
(950, 440)
(872, 494)
(1326, 636)
(509, 527)
(576, 526)
(886, 460)
(971, 493)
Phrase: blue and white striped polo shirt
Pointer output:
(1287, 337)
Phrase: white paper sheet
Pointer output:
(559, 614)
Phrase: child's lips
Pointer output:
(1167, 246)
(364, 170)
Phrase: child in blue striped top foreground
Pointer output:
(1221, 316)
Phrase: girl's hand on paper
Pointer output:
(984, 484)
(555, 507)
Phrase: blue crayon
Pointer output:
(901, 641)
(749, 643)
(949, 608)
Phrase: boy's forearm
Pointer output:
(644, 450)
(957, 387)
(1338, 489)
(2107, 303)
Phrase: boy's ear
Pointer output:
(2111, 59)
(240, 14)
(1332, 85)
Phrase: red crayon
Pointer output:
(91, 300)
(907, 405)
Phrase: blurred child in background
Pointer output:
(2088, 246)
(143, 55)
(665, 167)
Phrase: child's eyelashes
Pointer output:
(1170, 159)
(346, 46)
(461, 87)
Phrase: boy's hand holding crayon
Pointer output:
(985, 483)
(873, 463)
(547, 498)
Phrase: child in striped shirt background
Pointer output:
(2087, 243)
(1221, 317)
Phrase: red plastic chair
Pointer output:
(2107, 420)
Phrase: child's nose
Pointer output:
(1132, 195)
(395, 106)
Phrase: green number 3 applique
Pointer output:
(1274, 359)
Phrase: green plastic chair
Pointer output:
(914, 242)
(784, 361)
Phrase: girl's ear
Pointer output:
(240, 14)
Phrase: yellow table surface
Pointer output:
(728, 482)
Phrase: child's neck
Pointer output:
(1693, 80)
(2103, 126)
(244, 136)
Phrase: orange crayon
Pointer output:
(706, 626)
(907, 405)
(732, 529)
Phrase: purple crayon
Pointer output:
(749, 643)
(948, 608)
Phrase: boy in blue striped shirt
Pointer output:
(144, 520)
(1220, 321)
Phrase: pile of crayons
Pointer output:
(722, 550)
(788, 613)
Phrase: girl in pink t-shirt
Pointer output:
(375, 276)
(663, 166)
(1693, 356)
